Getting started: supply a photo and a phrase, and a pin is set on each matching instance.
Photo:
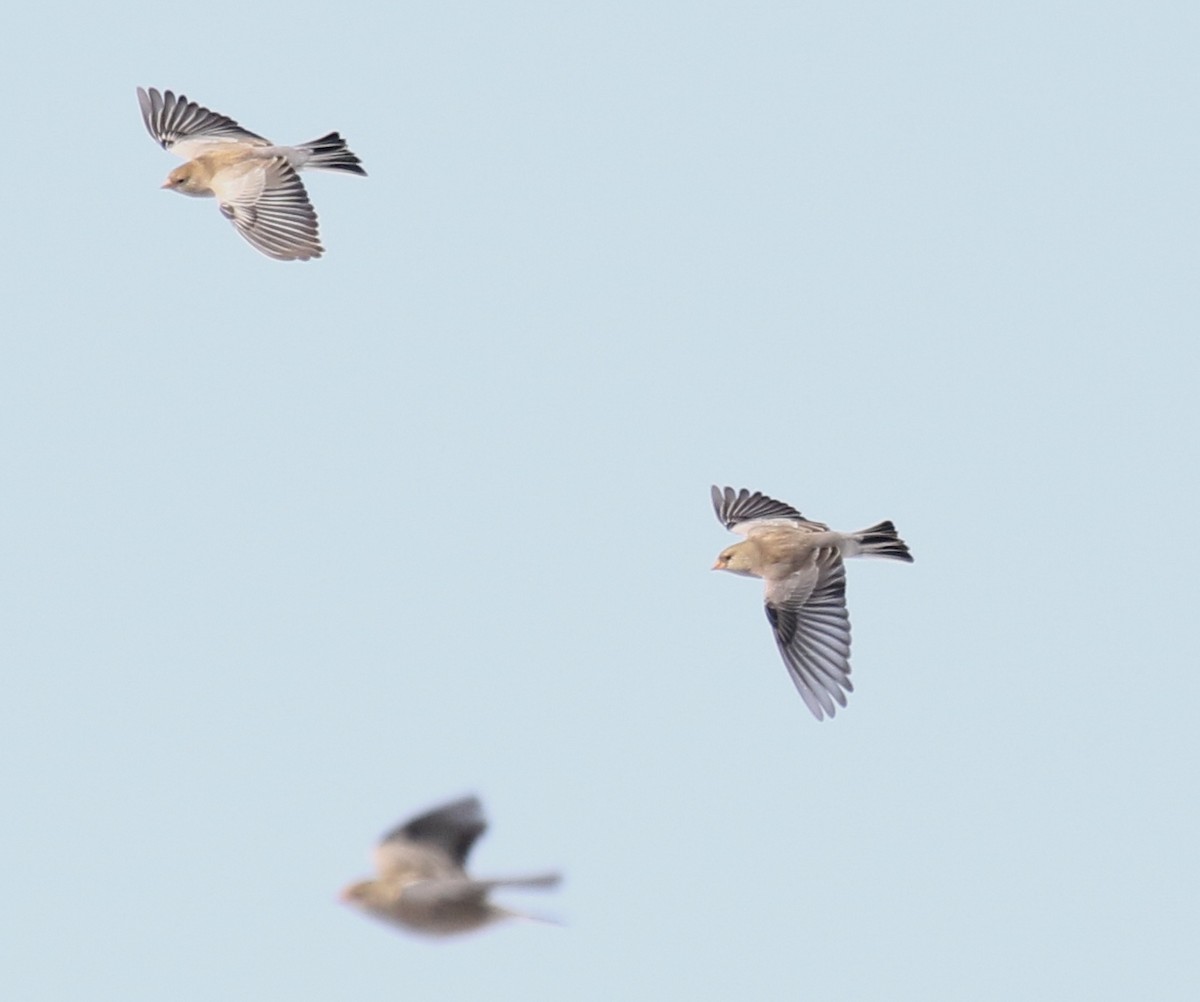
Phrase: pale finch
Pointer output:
(800, 562)
(256, 184)
(422, 884)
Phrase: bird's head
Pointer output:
(183, 179)
(736, 559)
(362, 894)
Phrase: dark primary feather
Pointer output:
(169, 118)
(742, 506)
(453, 828)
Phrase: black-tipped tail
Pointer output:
(882, 541)
(331, 153)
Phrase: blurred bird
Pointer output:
(256, 183)
(805, 590)
(422, 885)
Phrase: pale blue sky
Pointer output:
(294, 551)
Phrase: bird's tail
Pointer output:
(879, 541)
(539, 880)
(331, 153)
(531, 917)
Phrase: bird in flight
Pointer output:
(256, 183)
(800, 562)
(422, 883)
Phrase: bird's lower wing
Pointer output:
(464, 890)
(812, 631)
(445, 891)
(270, 208)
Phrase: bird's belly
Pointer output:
(443, 918)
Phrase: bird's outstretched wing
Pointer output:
(812, 631)
(270, 208)
(184, 127)
(453, 828)
(736, 509)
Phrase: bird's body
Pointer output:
(422, 884)
(804, 591)
(256, 183)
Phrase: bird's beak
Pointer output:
(716, 566)
(166, 183)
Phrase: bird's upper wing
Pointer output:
(186, 128)
(267, 203)
(452, 828)
(737, 510)
(403, 861)
(807, 611)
